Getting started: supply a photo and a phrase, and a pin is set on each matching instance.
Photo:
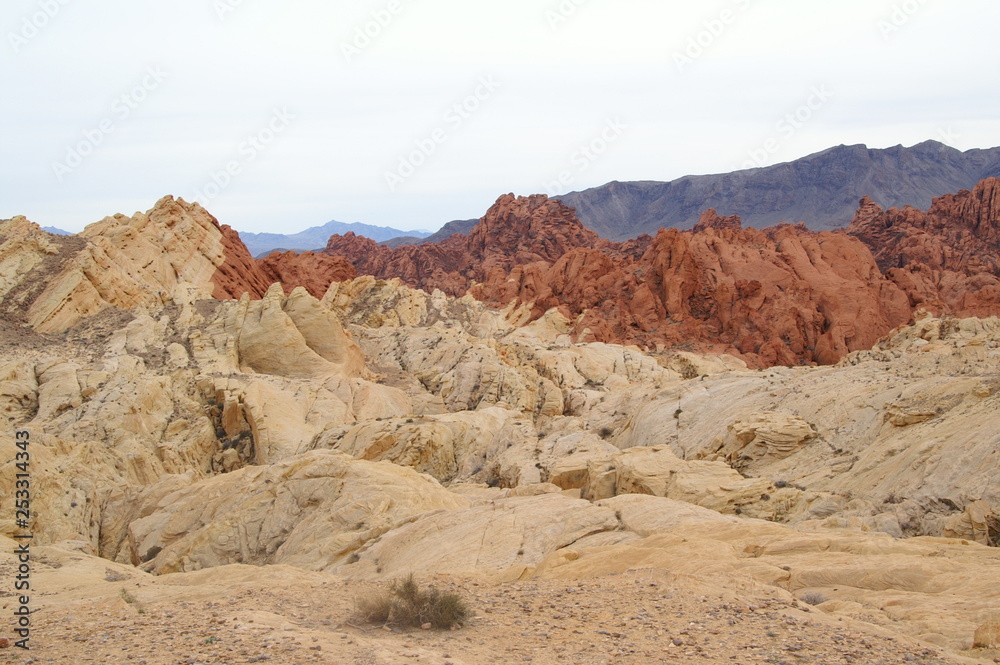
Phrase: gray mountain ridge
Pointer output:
(446, 231)
(822, 189)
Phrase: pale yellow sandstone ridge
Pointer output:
(312, 511)
(291, 336)
(167, 255)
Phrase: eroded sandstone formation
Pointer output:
(778, 296)
(176, 252)
(781, 296)
(516, 231)
(380, 430)
(947, 259)
(312, 271)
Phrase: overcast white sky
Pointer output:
(111, 104)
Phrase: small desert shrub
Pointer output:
(406, 604)
(813, 598)
(606, 432)
(374, 609)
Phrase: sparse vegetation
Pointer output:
(127, 597)
(813, 598)
(404, 603)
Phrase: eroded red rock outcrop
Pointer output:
(523, 230)
(947, 259)
(516, 232)
(313, 271)
(239, 273)
(781, 296)
(784, 295)
(710, 219)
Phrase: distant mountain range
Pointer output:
(451, 228)
(821, 190)
(54, 230)
(316, 237)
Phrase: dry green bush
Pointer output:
(406, 604)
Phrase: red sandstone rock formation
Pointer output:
(240, 272)
(519, 231)
(947, 259)
(781, 296)
(710, 219)
(784, 296)
(313, 271)
(516, 231)
(430, 266)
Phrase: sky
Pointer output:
(282, 115)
